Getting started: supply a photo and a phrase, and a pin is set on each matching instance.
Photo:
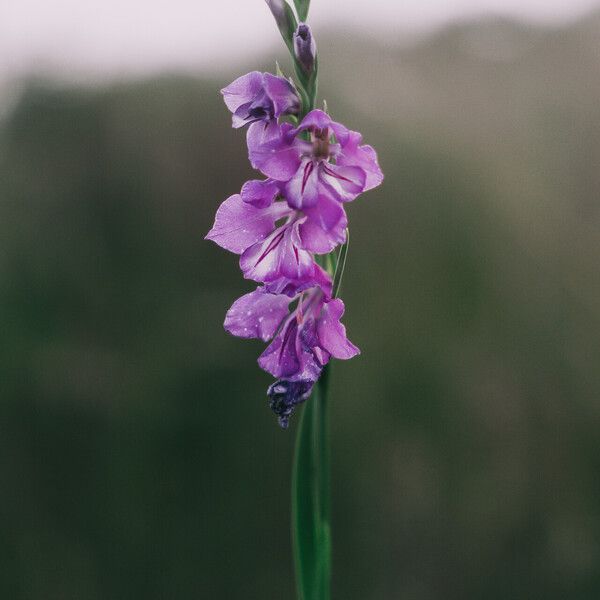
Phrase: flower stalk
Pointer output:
(290, 231)
(311, 470)
(311, 504)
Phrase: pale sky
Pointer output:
(119, 37)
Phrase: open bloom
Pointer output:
(260, 97)
(321, 231)
(318, 159)
(302, 341)
(269, 252)
(307, 339)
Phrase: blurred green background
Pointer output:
(138, 457)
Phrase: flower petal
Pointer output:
(257, 315)
(332, 334)
(317, 119)
(260, 194)
(288, 356)
(324, 227)
(292, 287)
(343, 183)
(239, 225)
(243, 90)
(240, 117)
(282, 94)
(281, 357)
(279, 255)
(272, 150)
(302, 190)
(365, 157)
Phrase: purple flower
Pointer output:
(279, 223)
(318, 159)
(325, 225)
(307, 339)
(259, 97)
(303, 340)
(269, 252)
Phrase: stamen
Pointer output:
(299, 314)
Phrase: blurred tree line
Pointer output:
(138, 457)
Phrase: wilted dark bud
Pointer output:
(284, 396)
(305, 47)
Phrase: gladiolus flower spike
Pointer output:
(290, 230)
(286, 227)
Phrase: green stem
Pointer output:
(324, 490)
(311, 504)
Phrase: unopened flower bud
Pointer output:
(305, 47)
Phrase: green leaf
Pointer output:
(310, 498)
(340, 265)
(302, 7)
